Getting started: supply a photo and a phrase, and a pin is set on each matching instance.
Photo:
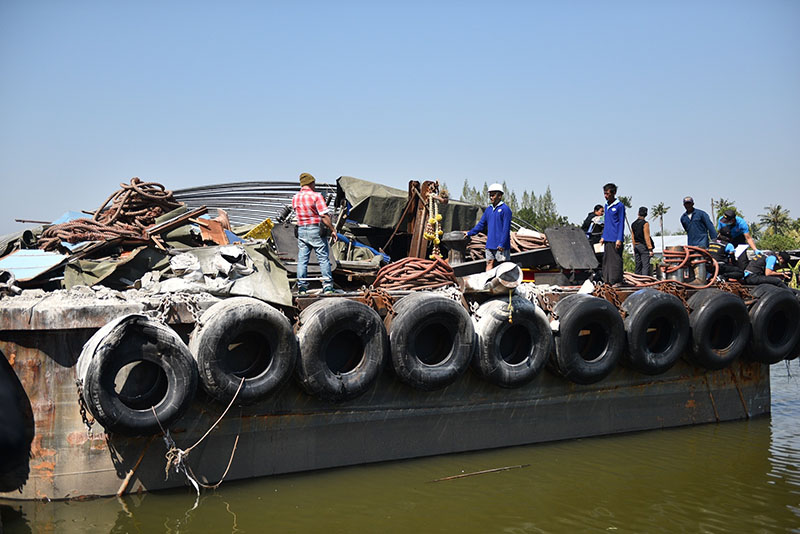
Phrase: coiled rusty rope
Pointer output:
(132, 209)
(519, 243)
(673, 261)
(415, 273)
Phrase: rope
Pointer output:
(176, 456)
(132, 209)
(673, 261)
(415, 273)
(519, 243)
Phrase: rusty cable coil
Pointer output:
(132, 209)
(519, 243)
(675, 260)
(415, 273)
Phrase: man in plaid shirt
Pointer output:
(311, 209)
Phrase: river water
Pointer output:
(730, 477)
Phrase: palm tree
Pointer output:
(657, 212)
(776, 218)
(719, 206)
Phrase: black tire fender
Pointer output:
(17, 429)
(432, 339)
(775, 319)
(657, 330)
(343, 346)
(243, 337)
(720, 328)
(154, 367)
(511, 354)
(590, 338)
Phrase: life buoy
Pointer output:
(720, 328)
(243, 337)
(343, 347)
(432, 340)
(511, 353)
(657, 330)
(775, 318)
(132, 367)
(590, 339)
(17, 429)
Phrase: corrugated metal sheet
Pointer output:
(247, 202)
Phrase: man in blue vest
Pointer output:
(697, 224)
(613, 236)
(496, 224)
(764, 270)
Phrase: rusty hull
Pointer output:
(293, 432)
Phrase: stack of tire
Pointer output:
(139, 377)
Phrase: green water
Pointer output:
(730, 477)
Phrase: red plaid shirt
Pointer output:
(308, 205)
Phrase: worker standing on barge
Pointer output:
(642, 243)
(697, 224)
(496, 222)
(311, 210)
(613, 235)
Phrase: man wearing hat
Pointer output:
(698, 225)
(496, 223)
(740, 231)
(311, 209)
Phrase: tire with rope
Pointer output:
(657, 330)
(513, 345)
(343, 346)
(243, 337)
(138, 376)
(590, 338)
(775, 318)
(431, 339)
(720, 328)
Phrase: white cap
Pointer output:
(496, 187)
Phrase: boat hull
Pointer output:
(291, 431)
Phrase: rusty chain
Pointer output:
(169, 303)
(83, 409)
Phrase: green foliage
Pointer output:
(628, 263)
(776, 218)
(657, 212)
(626, 200)
(785, 241)
(718, 206)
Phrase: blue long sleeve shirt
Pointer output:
(698, 228)
(614, 229)
(496, 223)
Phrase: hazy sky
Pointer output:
(666, 99)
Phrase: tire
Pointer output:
(432, 338)
(590, 339)
(657, 330)
(511, 354)
(157, 369)
(343, 346)
(775, 319)
(17, 429)
(720, 328)
(242, 337)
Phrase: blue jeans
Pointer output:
(307, 238)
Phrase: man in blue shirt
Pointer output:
(613, 235)
(762, 270)
(697, 224)
(496, 224)
(740, 231)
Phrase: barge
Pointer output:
(120, 391)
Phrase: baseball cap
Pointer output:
(688, 200)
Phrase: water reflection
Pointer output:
(742, 477)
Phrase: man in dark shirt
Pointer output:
(642, 243)
(722, 251)
(593, 225)
(762, 270)
(697, 224)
